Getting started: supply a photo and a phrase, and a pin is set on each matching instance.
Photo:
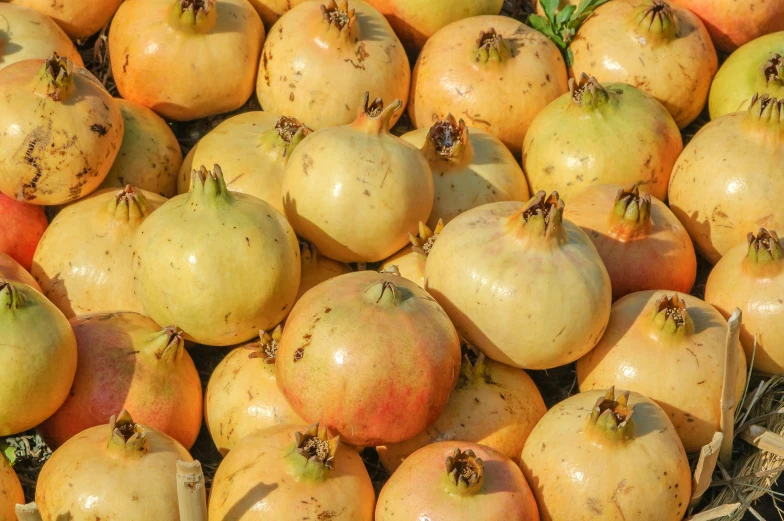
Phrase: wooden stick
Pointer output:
(191, 493)
(705, 467)
(728, 402)
(764, 439)
(28, 512)
(715, 513)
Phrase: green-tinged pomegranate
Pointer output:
(493, 404)
(12, 271)
(356, 191)
(382, 382)
(607, 456)
(658, 47)
(149, 156)
(566, 148)
(470, 168)
(317, 268)
(252, 149)
(410, 261)
(728, 179)
(11, 492)
(61, 131)
(114, 471)
(78, 18)
(321, 56)
(37, 358)
(493, 71)
(521, 283)
(751, 277)
(243, 396)
(28, 34)
(290, 473)
(83, 262)
(671, 349)
(186, 59)
(642, 244)
(126, 361)
(221, 265)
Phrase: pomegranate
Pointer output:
(410, 261)
(642, 244)
(78, 18)
(218, 296)
(21, 228)
(271, 10)
(317, 268)
(83, 262)
(196, 58)
(546, 269)
(498, 82)
(356, 191)
(243, 396)
(662, 49)
(62, 131)
(751, 276)
(252, 148)
(321, 57)
(460, 481)
(619, 455)
(111, 472)
(126, 361)
(12, 271)
(728, 180)
(670, 349)
(254, 482)
(469, 168)
(38, 358)
(380, 383)
(149, 156)
(566, 149)
(11, 492)
(493, 404)
(27, 34)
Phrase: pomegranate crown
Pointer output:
(423, 243)
(194, 15)
(316, 447)
(267, 345)
(339, 18)
(464, 470)
(764, 247)
(671, 316)
(613, 416)
(281, 139)
(631, 206)
(773, 69)
(129, 205)
(168, 343)
(208, 186)
(766, 109)
(543, 214)
(587, 92)
(10, 298)
(656, 17)
(373, 116)
(490, 46)
(448, 138)
(127, 434)
(57, 74)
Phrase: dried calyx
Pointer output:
(613, 416)
(764, 247)
(195, 15)
(490, 46)
(57, 74)
(284, 136)
(465, 472)
(543, 215)
(267, 346)
(423, 242)
(313, 454)
(448, 138)
(773, 69)
(168, 344)
(766, 110)
(129, 205)
(657, 18)
(339, 18)
(10, 298)
(473, 368)
(374, 117)
(671, 316)
(127, 435)
(588, 92)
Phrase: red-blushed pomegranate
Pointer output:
(493, 404)
(37, 358)
(460, 481)
(642, 244)
(380, 383)
(607, 457)
(126, 361)
(12, 271)
(410, 261)
(271, 10)
(112, 471)
(728, 180)
(321, 57)
(28, 34)
(521, 283)
(21, 228)
(219, 264)
(751, 277)
(83, 262)
(78, 18)
(671, 349)
(566, 148)
(658, 47)
(61, 131)
(317, 268)
(186, 60)
(356, 191)
(243, 396)
(11, 492)
(497, 82)
(290, 473)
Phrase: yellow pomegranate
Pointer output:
(410, 261)
(66, 131)
(290, 473)
(12, 271)
(252, 149)
(83, 262)
(271, 10)
(470, 168)
(320, 57)
(115, 472)
(670, 349)
(317, 268)
(78, 18)
(607, 457)
(751, 277)
(28, 34)
(498, 82)
(662, 49)
(243, 396)
(186, 59)
(11, 492)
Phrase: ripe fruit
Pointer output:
(410, 261)
(78, 18)
(31, 35)
(12, 271)
(317, 268)
(11, 492)
(21, 228)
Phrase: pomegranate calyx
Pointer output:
(588, 92)
(423, 243)
(490, 46)
(373, 117)
(129, 205)
(671, 316)
(613, 416)
(317, 447)
(764, 247)
(447, 140)
(656, 18)
(465, 472)
(384, 293)
(284, 137)
(209, 186)
(766, 110)
(391, 270)
(473, 368)
(543, 215)
(339, 18)
(194, 15)
(9, 296)
(57, 74)
(631, 213)
(773, 69)
(167, 344)
(127, 435)
(267, 345)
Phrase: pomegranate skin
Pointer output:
(21, 228)
(11, 492)
(12, 271)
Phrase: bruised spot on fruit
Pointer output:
(298, 354)
(99, 129)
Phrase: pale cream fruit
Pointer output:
(28, 34)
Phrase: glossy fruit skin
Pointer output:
(11, 270)
(565, 147)
(21, 228)
(410, 264)
(676, 70)
(647, 477)
(370, 392)
(11, 493)
(78, 18)
(446, 79)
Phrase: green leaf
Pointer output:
(564, 15)
(549, 7)
(540, 23)
(8, 452)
